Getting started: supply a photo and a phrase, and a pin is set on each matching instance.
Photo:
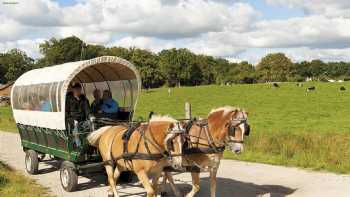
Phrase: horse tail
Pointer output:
(95, 136)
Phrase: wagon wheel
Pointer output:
(31, 162)
(68, 176)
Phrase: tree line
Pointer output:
(174, 67)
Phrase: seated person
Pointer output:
(109, 105)
(97, 103)
(77, 106)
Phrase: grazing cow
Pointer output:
(342, 88)
(299, 84)
(312, 88)
(275, 85)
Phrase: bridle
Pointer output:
(232, 126)
(173, 133)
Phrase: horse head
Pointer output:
(229, 125)
(173, 139)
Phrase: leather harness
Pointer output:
(193, 147)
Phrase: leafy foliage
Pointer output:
(175, 67)
(13, 64)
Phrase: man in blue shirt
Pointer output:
(109, 105)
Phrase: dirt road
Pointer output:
(235, 179)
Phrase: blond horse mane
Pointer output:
(226, 109)
(157, 118)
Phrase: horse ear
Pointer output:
(171, 125)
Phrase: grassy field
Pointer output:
(289, 126)
(13, 184)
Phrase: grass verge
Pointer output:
(6, 120)
(14, 184)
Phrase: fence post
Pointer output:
(188, 110)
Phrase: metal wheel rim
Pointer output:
(65, 178)
(28, 163)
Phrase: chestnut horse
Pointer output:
(225, 126)
(150, 142)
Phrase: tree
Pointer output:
(221, 69)
(147, 64)
(179, 67)
(275, 67)
(206, 65)
(117, 51)
(242, 73)
(61, 51)
(13, 64)
(318, 69)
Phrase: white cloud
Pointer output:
(9, 29)
(187, 18)
(34, 12)
(225, 28)
(143, 43)
(31, 47)
(91, 33)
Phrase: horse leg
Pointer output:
(155, 181)
(176, 191)
(213, 173)
(163, 185)
(145, 182)
(195, 184)
(110, 174)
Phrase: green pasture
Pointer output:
(289, 125)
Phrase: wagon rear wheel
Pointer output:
(31, 162)
(68, 176)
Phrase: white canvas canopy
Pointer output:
(38, 96)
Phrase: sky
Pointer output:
(238, 30)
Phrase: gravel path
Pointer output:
(235, 179)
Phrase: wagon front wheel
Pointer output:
(31, 162)
(68, 176)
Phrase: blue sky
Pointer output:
(234, 29)
(275, 11)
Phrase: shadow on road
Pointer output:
(230, 188)
(226, 187)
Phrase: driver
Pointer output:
(77, 105)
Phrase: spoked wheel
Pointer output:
(31, 162)
(68, 176)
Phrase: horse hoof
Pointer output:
(162, 194)
(110, 195)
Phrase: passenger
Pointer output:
(97, 103)
(45, 105)
(109, 104)
(77, 105)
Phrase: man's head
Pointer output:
(97, 94)
(77, 90)
(106, 95)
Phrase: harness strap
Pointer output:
(212, 147)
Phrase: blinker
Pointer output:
(247, 129)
